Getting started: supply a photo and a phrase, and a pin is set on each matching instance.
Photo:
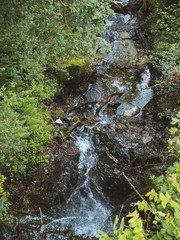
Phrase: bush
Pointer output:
(45, 35)
(4, 204)
(24, 130)
(164, 33)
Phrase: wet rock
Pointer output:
(80, 75)
(124, 52)
(7, 232)
(116, 6)
(23, 232)
(132, 147)
(132, 112)
(146, 139)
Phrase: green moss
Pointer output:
(76, 62)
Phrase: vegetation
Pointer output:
(4, 204)
(41, 38)
(158, 217)
(37, 40)
(44, 35)
(163, 28)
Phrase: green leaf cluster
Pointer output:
(4, 204)
(41, 35)
(164, 208)
(24, 130)
(174, 143)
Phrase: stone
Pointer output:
(146, 139)
(116, 6)
(58, 121)
(132, 112)
(125, 35)
(124, 54)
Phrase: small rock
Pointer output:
(146, 138)
(132, 112)
(125, 35)
(58, 121)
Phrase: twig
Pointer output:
(64, 12)
(154, 86)
(150, 208)
(78, 123)
(121, 210)
(81, 105)
(41, 219)
(40, 234)
(109, 99)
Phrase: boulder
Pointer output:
(132, 112)
(123, 54)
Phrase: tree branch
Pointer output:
(109, 99)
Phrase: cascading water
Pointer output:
(84, 213)
(88, 210)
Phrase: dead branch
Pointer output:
(64, 12)
(40, 237)
(41, 218)
(132, 7)
(150, 208)
(81, 105)
(109, 99)
(104, 75)
(78, 123)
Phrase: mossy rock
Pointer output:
(75, 72)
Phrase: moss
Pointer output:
(76, 62)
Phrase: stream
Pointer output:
(90, 208)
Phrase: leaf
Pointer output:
(173, 130)
(115, 225)
(122, 224)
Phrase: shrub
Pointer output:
(4, 204)
(24, 130)
(164, 33)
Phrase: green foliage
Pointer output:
(41, 35)
(163, 207)
(164, 30)
(4, 204)
(174, 143)
(24, 129)
(37, 40)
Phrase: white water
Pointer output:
(84, 214)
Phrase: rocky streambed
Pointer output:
(107, 134)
